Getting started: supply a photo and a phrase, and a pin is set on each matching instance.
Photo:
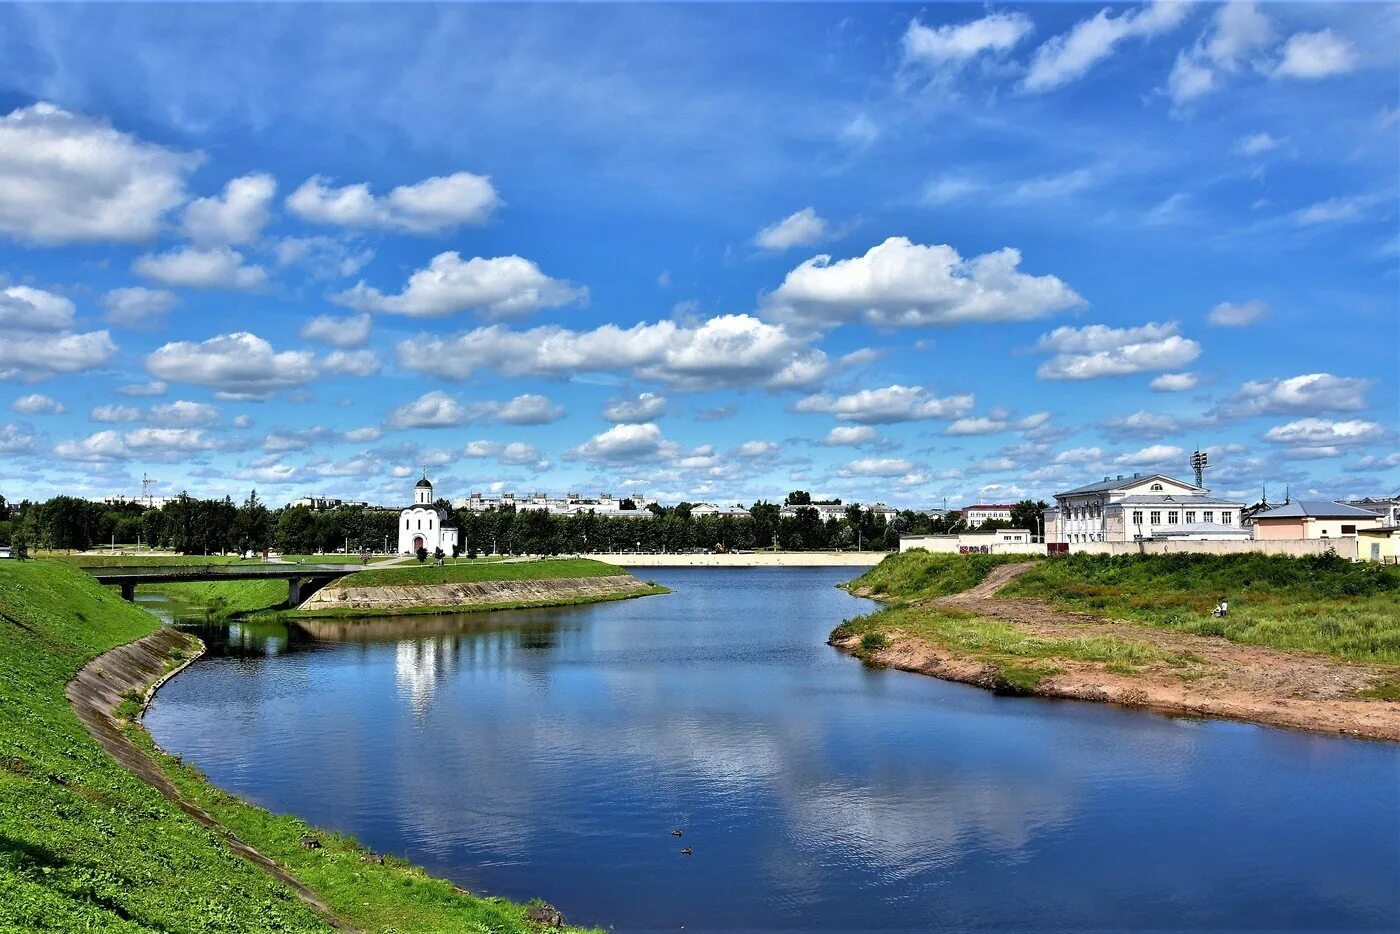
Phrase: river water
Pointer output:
(549, 753)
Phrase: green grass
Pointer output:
(85, 846)
(144, 560)
(917, 576)
(1318, 604)
(335, 612)
(223, 598)
(428, 573)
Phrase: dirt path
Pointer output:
(97, 691)
(1232, 680)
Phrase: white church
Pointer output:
(424, 525)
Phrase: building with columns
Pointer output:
(424, 525)
(1136, 508)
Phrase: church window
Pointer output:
(430, 525)
(420, 525)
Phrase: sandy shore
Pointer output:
(759, 559)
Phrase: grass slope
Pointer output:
(413, 573)
(1319, 604)
(84, 845)
(918, 576)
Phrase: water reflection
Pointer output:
(550, 752)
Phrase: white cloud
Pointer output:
(1316, 55)
(644, 407)
(66, 178)
(236, 216)
(361, 435)
(625, 443)
(23, 308)
(1143, 425)
(1307, 394)
(37, 404)
(438, 409)
(1321, 437)
(503, 287)
(183, 412)
(153, 388)
(1237, 34)
(753, 450)
(1155, 455)
(338, 330)
(852, 435)
(801, 229)
(950, 47)
(113, 414)
(38, 356)
(878, 467)
(238, 366)
(15, 439)
(1069, 56)
(160, 444)
(1097, 350)
(213, 268)
(325, 257)
(1081, 456)
(1231, 315)
(1256, 144)
(904, 284)
(1332, 211)
(1174, 382)
(137, 306)
(730, 350)
(432, 205)
(997, 421)
(351, 362)
(888, 405)
(515, 454)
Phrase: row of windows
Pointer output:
(420, 524)
(1173, 517)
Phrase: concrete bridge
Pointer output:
(302, 579)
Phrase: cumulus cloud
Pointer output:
(1150, 425)
(1155, 455)
(1069, 56)
(67, 178)
(37, 404)
(432, 205)
(438, 409)
(644, 407)
(888, 405)
(1256, 144)
(238, 366)
(338, 330)
(904, 284)
(726, 351)
(514, 454)
(754, 450)
(1098, 350)
(1316, 55)
(137, 306)
(1174, 382)
(801, 229)
(1093, 455)
(626, 443)
(34, 356)
(850, 435)
(184, 412)
(219, 267)
(1237, 34)
(16, 439)
(995, 423)
(153, 388)
(157, 444)
(1297, 395)
(1321, 437)
(503, 287)
(947, 48)
(878, 467)
(113, 414)
(238, 215)
(23, 308)
(325, 257)
(1231, 315)
(351, 362)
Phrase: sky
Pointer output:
(912, 254)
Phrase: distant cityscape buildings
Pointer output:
(827, 511)
(633, 505)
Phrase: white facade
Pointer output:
(423, 525)
(1000, 541)
(710, 509)
(1137, 508)
(605, 504)
(827, 511)
(986, 512)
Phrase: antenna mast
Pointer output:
(146, 481)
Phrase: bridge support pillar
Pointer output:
(129, 592)
(293, 592)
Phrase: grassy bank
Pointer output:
(1317, 604)
(411, 574)
(335, 612)
(84, 845)
(224, 598)
(918, 576)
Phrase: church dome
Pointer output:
(423, 484)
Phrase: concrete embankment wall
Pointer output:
(763, 559)
(478, 593)
(1296, 547)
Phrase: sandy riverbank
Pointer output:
(756, 559)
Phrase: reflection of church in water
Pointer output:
(424, 525)
(424, 665)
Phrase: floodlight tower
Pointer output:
(146, 481)
(1200, 463)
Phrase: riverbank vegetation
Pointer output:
(1318, 603)
(413, 574)
(85, 845)
(918, 576)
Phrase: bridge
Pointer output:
(302, 579)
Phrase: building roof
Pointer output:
(423, 484)
(1200, 528)
(1121, 482)
(1315, 509)
(1386, 530)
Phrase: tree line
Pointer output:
(190, 525)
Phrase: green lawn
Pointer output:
(85, 846)
(122, 561)
(223, 598)
(1320, 604)
(429, 573)
(918, 576)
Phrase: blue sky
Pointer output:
(907, 253)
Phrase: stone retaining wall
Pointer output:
(342, 596)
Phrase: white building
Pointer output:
(709, 509)
(986, 512)
(827, 511)
(323, 502)
(571, 504)
(1128, 509)
(424, 525)
(999, 541)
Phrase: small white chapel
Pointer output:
(424, 525)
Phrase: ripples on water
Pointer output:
(550, 752)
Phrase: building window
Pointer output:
(1209, 515)
(1137, 517)
(1348, 530)
(1225, 518)
(1172, 517)
(1156, 518)
(405, 525)
(1156, 488)
(420, 525)
(430, 525)
(1190, 517)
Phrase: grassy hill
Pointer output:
(84, 845)
(407, 575)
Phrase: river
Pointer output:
(549, 753)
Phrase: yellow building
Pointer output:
(1381, 544)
